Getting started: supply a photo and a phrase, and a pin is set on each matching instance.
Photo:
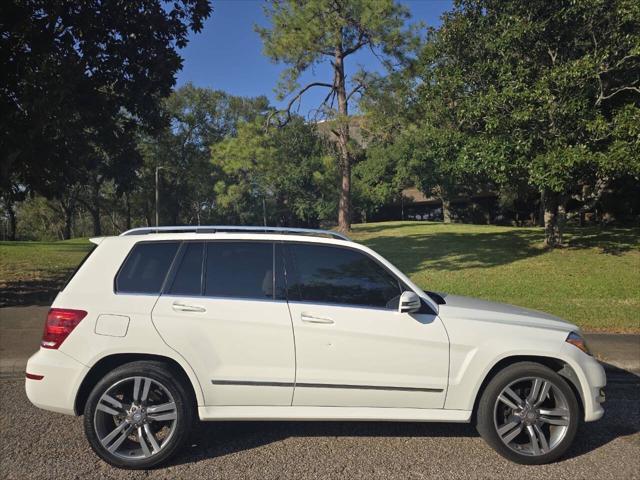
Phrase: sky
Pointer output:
(227, 53)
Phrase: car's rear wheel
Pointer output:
(528, 413)
(138, 415)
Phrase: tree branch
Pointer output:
(363, 39)
(602, 97)
(356, 89)
(296, 97)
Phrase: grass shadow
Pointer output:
(39, 292)
(456, 251)
(613, 241)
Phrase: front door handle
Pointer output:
(185, 307)
(305, 317)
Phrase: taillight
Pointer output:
(60, 323)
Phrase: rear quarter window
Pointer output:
(145, 268)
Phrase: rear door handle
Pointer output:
(185, 307)
(305, 317)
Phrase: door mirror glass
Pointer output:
(409, 302)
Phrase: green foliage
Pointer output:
(80, 79)
(517, 96)
(550, 81)
(303, 33)
(278, 176)
(198, 118)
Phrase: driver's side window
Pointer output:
(342, 276)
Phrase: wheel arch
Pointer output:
(110, 362)
(558, 365)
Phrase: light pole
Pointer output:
(157, 195)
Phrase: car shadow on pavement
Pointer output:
(215, 439)
(621, 413)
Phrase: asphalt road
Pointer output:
(38, 444)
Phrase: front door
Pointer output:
(222, 312)
(353, 347)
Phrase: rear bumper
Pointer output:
(61, 378)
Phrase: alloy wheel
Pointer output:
(531, 416)
(135, 418)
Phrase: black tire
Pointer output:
(181, 426)
(487, 425)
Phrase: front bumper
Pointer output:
(592, 380)
(61, 379)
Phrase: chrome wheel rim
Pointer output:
(135, 418)
(531, 416)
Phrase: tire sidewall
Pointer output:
(160, 373)
(485, 417)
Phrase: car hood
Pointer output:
(457, 306)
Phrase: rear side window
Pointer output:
(326, 274)
(188, 278)
(239, 270)
(146, 267)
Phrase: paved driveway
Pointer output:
(38, 444)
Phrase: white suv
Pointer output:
(160, 326)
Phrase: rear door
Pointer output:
(223, 311)
(353, 347)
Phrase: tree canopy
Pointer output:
(79, 81)
(540, 94)
(303, 34)
(535, 105)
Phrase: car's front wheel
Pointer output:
(528, 413)
(138, 415)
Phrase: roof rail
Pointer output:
(231, 228)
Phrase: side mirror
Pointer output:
(409, 302)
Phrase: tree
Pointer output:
(549, 93)
(79, 75)
(198, 118)
(274, 176)
(304, 34)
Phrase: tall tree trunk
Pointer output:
(344, 204)
(540, 218)
(552, 237)
(562, 219)
(67, 211)
(92, 204)
(13, 222)
(95, 217)
(127, 209)
(446, 210)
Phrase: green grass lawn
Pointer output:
(594, 281)
(32, 272)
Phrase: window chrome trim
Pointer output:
(230, 299)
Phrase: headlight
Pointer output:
(576, 340)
